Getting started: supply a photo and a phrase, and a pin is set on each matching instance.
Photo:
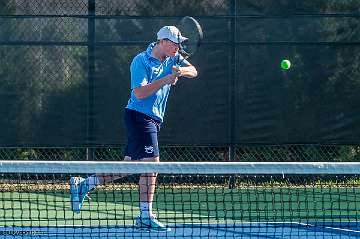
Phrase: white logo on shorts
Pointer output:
(149, 149)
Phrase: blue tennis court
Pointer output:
(245, 230)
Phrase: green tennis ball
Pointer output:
(285, 64)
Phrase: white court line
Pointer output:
(196, 223)
(342, 229)
(332, 228)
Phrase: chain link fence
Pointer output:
(47, 68)
(243, 153)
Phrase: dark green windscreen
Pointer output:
(64, 72)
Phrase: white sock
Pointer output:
(92, 181)
(145, 209)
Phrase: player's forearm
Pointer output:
(188, 71)
(150, 89)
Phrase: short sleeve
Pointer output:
(139, 76)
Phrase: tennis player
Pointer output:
(153, 72)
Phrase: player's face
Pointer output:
(170, 48)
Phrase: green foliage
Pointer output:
(298, 153)
(46, 153)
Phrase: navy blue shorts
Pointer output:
(142, 135)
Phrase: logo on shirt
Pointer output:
(149, 149)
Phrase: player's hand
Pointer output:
(171, 78)
(176, 70)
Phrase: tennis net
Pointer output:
(194, 200)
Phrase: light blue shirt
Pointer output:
(145, 69)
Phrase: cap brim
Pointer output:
(183, 39)
(179, 39)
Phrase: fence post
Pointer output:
(232, 65)
(91, 71)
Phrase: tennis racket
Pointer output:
(190, 28)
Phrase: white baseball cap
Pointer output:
(171, 33)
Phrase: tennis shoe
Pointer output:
(78, 191)
(150, 224)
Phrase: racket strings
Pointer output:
(191, 29)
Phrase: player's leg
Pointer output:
(105, 178)
(147, 186)
(144, 146)
(80, 187)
